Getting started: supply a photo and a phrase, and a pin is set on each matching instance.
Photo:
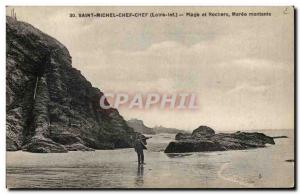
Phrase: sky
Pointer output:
(241, 68)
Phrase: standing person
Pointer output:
(139, 148)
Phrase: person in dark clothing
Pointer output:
(139, 148)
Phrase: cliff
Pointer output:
(50, 106)
(161, 129)
(139, 126)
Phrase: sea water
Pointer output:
(263, 167)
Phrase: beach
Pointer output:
(255, 168)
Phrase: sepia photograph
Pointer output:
(150, 97)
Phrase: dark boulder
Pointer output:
(203, 131)
(191, 146)
(181, 136)
(204, 139)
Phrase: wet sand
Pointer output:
(263, 167)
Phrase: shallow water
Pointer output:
(263, 167)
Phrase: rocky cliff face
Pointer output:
(205, 139)
(161, 129)
(50, 106)
(138, 126)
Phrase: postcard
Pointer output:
(112, 97)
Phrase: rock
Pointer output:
(65, 138)
(43, 145)
(50, 106)
(203, 131)
(191, 146)
(204, 139)
(278, 137)
(182, 136)
(290, 160)
(78, 147)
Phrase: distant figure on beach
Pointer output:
(139, 146)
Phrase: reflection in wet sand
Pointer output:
(139, 181)
(175, 155)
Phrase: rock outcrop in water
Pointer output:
(50, 106)
(205, 139)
